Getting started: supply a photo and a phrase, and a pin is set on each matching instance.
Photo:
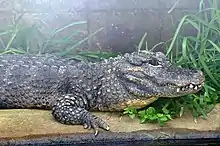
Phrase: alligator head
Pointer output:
(150, 74)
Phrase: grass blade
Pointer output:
(176, 34)
(201, 59)
(69, 25)
(141, 42)
(4, 33)
(78, 43)
(12, 38)
(184, 47)
(214, 45)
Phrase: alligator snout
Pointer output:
(198, 77)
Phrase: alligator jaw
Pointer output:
(190, 87)
(152, 74)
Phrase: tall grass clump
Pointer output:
(27, 32)
(19, 38)
(202, 52)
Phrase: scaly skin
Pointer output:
(71, 89)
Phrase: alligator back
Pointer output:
(28, 81)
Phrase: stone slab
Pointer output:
(25, 123)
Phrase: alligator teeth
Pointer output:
(191, 86)
(196, 87)
(178, 90)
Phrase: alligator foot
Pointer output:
(66, 111)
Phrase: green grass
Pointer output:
(67, 41)
(202, 52)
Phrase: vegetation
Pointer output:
(201, 51)
(31, 34)
(22, 39)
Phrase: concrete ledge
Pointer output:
(38, 126)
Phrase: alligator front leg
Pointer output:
(72, 110)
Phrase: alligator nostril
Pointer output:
(198, 75)
(194, 71)
(198, 72)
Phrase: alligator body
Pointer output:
(72, 89)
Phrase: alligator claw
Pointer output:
(95, 123)
(85, 126)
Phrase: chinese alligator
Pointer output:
(72, 89)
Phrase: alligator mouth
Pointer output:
(167, 89)
(189, 87)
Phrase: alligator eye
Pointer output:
(154, 62)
